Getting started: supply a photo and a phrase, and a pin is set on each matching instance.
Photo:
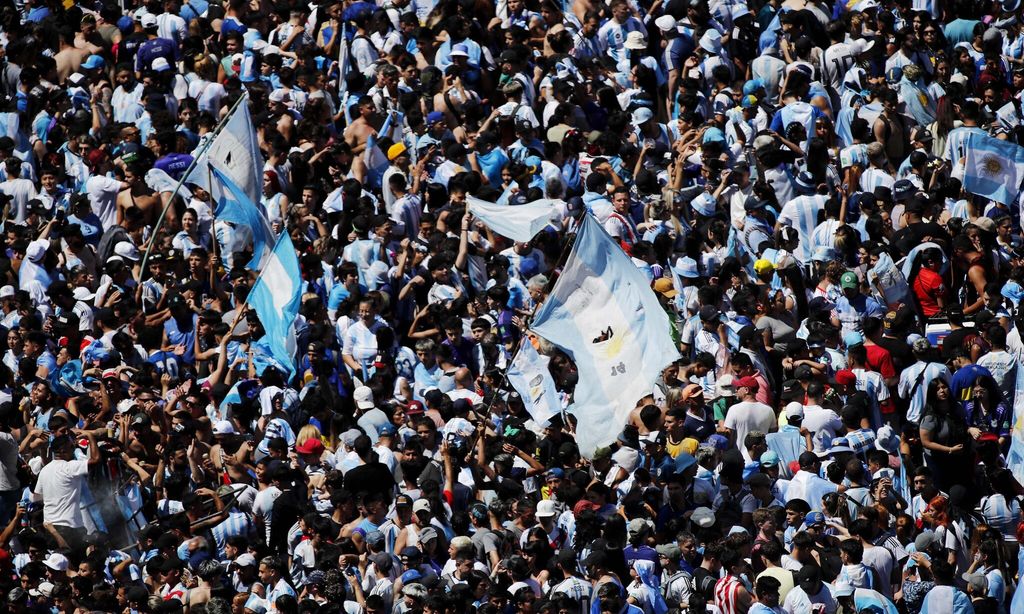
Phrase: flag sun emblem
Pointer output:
(991, 166)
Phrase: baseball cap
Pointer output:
(769, 459)
(746, 382)
(977, 581)
(363, 396)
(57, 562)
(813, 518)
(148, 21)
(703, 517)
(794, 410)
(670, 551)
(396, 150)
(312, 445)
(664, 287)
(546, 509)
(245, 560)
(763, 266)
(849, 280)
(93, 62)
(223, 427)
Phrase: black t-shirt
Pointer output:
(902, 356)
(913, 235)
(704, 583)
(370, 478)
(955, 340)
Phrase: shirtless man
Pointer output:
(888, 129)
(138, 195)
(69, 58)
(363, 126)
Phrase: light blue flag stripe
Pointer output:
(234, 206)
(1015, 456)
(517, 222)
(604, 315)
(993, 168)
(275, 298)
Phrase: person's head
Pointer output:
(270, 570)
(766, 589)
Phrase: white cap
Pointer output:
(546, 509)
(665, 23)
(6, 291)
(224, 427)
(280, 96)
(126, 249)
(421, 505)
(140, 13)
(45, 590)
(148, 21)
(160, 65)
(245, 560)
(459, 50)
(36, 250)
(363, 397)
(125, 405)
(81, 293)
(794, 410)
(860, 45)
(57, 562)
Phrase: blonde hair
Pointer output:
(309, 431)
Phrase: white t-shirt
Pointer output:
(749, 416)
(102, 191)
(60, 486)
(823, 425)
(263, 506)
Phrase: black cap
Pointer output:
(708, 313)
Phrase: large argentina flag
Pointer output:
(604, 315)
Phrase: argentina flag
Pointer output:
(275, 298)
(519, 222)
(233, 205)
(604, 315)
(993, 168)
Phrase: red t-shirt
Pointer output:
(928, 287)
(879, 359)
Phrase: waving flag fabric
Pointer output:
(604, 315)
(235, 152)
(275, 298)
(993, 169)
(529, 375)
(234, 206)
(517, 222)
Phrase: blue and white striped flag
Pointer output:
(233, 205)
(519, 222)
(275, 298)
(604, 315)
(993, 168)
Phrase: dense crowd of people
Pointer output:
(821, 196)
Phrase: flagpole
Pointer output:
(184, 176)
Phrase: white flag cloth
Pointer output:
(517, 222)
(235, 152)
(529, 375)
(604, 315)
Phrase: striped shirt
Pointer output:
(236, 524)
(913, 385)
(731, 597)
